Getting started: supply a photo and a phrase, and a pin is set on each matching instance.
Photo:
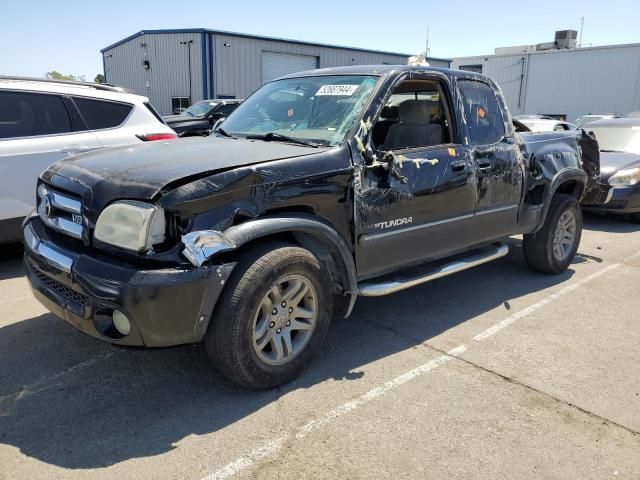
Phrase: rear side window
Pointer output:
(102, 114)
(484, 118)
(25, 114)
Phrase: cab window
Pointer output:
(484, 118)
(415, 115)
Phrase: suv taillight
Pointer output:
(151, 137)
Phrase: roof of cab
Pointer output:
(381, 70)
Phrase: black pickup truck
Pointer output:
(200, 117)
(321, 187)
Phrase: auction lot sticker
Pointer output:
(342, 90)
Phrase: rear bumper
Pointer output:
(168, 306)
(620, 200)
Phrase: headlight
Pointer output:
(132, 225)
(625, 178)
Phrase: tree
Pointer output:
(55, 75)
(99, 78)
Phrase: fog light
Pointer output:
(121, 322)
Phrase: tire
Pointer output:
(244, 307)
(635, 217)
(540, 248)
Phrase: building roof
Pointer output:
(258, 37)
(548, 52)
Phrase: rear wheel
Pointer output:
(272, 317)
(553, 247)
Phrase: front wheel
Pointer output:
(553, 247)
(272, 317)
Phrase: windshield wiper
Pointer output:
(271, 136)
(223, 132)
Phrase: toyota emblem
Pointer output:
(47, 209)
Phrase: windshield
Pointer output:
(320, 110)
(580, 121)
(620, 139)
(199, 109)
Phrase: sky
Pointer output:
(67, 35)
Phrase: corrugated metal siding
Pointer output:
(239, 65)
(276, 65)
(237, 68)
(569, 82)
(584, 81)
(169, 74)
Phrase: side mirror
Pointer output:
(217, 123)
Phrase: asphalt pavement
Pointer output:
(497, 372)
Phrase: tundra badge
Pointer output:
(393, 223)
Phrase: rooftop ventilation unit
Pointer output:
(566, 39)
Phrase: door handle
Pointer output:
(73, 149)
(458, 165)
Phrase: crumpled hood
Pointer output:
(141, 171)
(612, 162)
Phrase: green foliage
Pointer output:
(99, 78)
(55, 75)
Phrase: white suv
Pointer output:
(42, 121)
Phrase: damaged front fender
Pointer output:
(200, 246)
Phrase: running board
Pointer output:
(372, 288)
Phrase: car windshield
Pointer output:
(199, 109)
(580, 121)
(618, 139)
(319, 110)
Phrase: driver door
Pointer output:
(425, 210)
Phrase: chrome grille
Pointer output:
(60, 211)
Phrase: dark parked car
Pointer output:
(200, 117)
(321, 187)
(619, 141)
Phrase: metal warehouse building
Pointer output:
(569, 82)
(175, 68)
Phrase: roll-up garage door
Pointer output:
(276, 65)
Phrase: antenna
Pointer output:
(581, 28)
(426, 49)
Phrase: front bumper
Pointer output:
(619, 200)
(167, 306)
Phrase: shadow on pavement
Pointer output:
(609, 223)
(11, 261)
(74, 402)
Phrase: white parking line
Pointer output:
(274, 446)
(545, 301)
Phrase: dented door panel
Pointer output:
(500, 177)
(423, 213)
